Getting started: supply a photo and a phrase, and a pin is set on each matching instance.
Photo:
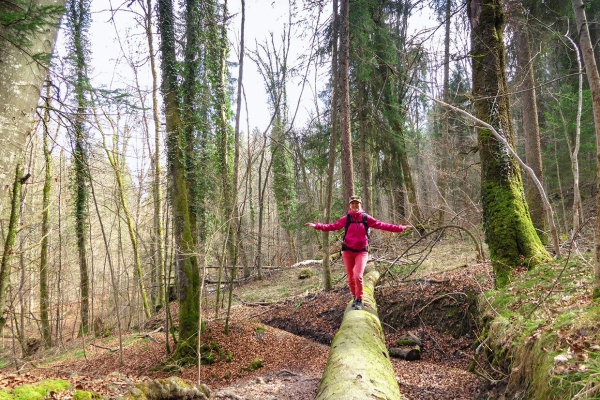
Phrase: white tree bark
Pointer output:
(21, 79)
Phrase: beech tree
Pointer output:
(26, 42)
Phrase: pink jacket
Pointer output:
(356, 237)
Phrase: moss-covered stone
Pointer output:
(305, 274)
(40, 389)
(85, 395)
(169, 388)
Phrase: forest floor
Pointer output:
(280, 330)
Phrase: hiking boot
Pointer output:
(358, 304)
(354, 302)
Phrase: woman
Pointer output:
(355, 252)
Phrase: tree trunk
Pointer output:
(157, 238)
(327, 283)
(531, 127)
(594, 80)
(510, 234)
(344, 82)
(358, 366)
(446, 151)
(186, 259)
(78, 20)
(21, 80)
(44, 297)
(9, 244)
(365, 154)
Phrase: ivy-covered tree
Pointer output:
(78, 24)
(185, 253)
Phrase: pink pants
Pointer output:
(355, 267)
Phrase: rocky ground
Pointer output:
(279, 351)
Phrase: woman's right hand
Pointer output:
(312, 225)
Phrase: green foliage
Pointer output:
(5, 395)
(283, 177)
(212, 353)
(254, 365)
(23, 22)
(559, 127)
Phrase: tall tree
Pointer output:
(531, 128)
(44, 247)
(27, 37)
(510, 234)
(158, 242)
(344, 99)
(78, 22)
(185, 258)
(593, 76)
(333, 134)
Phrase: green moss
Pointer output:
(305, 274)
(5, 395)
(525, 341)
(259, 329)
(40, 390)
(85, 395)
(404, 342)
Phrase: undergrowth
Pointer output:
(541, 337)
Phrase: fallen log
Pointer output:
(358, 366)
(408, 354)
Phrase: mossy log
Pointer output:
(408, 354)
(359, 366)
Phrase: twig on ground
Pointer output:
(149, 334)
(112, 350)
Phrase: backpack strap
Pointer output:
(366, 224)
(348, 222)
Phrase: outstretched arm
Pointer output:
(384, 226)
(335, 226)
